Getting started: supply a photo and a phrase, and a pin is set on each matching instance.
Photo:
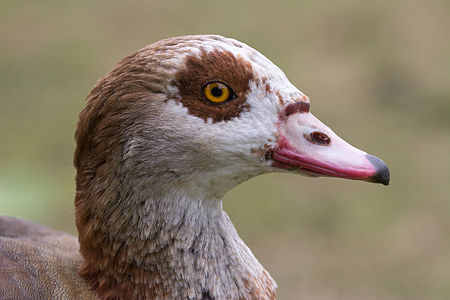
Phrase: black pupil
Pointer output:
(216, 91)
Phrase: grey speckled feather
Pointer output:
(37, 262)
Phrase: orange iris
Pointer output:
(216, 92)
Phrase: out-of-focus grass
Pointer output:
(377, 72)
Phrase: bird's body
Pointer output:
(164, 135)
(37, 262)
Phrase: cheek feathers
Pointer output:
(216, 65)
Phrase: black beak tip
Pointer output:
(381, 170)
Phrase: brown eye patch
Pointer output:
(220, 66)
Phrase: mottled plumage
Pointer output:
(37, 262)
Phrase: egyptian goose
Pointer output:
(164, 135)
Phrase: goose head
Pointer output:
(169, 130)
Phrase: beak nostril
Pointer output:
(320, 138)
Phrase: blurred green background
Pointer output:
(377, 72)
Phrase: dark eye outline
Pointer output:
(232, 95)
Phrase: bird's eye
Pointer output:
(217, 92)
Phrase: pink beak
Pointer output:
(307, 145)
